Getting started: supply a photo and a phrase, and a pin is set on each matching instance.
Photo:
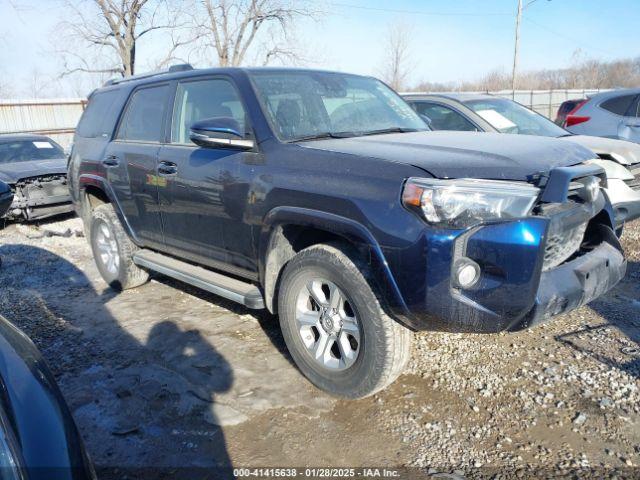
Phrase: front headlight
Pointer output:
(466, 202)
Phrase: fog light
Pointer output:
(466, 273)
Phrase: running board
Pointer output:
(238, 291)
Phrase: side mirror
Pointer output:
(219, 132)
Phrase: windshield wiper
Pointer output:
(320, 136)
(391, 130)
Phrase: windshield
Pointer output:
(508, 116)
(25, 150)
(306, 105)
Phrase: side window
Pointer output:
(205, 99)
(618, 105)
(100, 116)
(142, 121)
(444, 118)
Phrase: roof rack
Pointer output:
(183, 67)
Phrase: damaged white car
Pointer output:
(35, 168)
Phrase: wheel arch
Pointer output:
(287, 230)
(94, 191)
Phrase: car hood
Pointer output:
(623, 152)
(12, 172)
(463, 154)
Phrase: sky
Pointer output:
(451, 40)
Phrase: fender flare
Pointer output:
(97, 181)
(347, 228)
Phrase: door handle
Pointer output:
(111, 161)
(167, 168)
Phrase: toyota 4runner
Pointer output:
(322, 197)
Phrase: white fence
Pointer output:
(545, 102)
(56, 118)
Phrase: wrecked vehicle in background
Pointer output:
(35, 168)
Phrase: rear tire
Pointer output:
(113, 250)
(334, 326)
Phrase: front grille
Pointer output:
(562, 242)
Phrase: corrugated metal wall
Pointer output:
(56, 118)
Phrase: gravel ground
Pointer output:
(164, 375)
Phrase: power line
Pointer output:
(421, 12)
(576, 42)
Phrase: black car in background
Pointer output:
(35, 167)
(38, 437)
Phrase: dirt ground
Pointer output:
(165, 376)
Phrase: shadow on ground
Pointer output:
(145, 394)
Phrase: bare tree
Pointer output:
(397, 68)
(102, 36)
(232, 28)
(5, 90)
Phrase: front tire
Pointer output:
(113, 250)
(334, 326)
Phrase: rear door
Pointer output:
(201, 198)
(130, 161)
(605, 120)
(630, 125)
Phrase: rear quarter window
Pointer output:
(143, 119)
(100, 116)
(618, 105)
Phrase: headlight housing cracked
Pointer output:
(463, 203)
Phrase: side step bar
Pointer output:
(236, 290)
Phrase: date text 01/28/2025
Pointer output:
(316, 472)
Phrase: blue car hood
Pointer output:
(463, 154)
(14, 171)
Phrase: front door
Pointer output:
(198, 189)
(130, 162)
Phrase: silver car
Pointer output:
(487, 113)
(614, 114)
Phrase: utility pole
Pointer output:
(515, 51)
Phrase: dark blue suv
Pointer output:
(322, 197)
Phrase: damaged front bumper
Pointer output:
(576, 283)
(40, 197)
(528, 270)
